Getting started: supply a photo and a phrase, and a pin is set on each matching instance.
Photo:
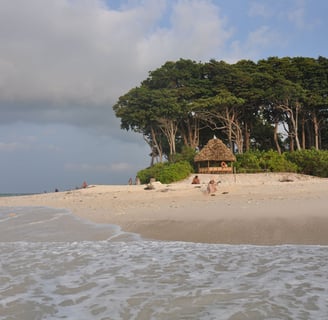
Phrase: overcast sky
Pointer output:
(64, 63)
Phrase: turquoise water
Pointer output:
(56, 266)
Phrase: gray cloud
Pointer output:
(68, 61)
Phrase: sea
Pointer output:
(54, 265)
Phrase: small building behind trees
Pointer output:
(215, 157)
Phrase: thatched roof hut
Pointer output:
(215, 157)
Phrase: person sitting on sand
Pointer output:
(211, 187)
(195, 180)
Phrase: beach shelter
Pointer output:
(215, 157)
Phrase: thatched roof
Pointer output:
(215, 150)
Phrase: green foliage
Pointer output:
(187, 154)
(248, 162)
(312, 162)
(275, 162)
(186, 101)
(259, 161)
(152, 172)
(166, 172)
(262, 136)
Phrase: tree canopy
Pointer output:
(275, 103)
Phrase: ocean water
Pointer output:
(56, 266)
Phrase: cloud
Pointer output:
(298, 15)
(68, 61)
(261, 39)
(259, 9)
(301, 17)
(196, 30)
(11, 146)
(12, 142)
(18, 146)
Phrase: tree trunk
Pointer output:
(169, 128)
(190, 132)
(316, 130)
(275, 137)
(292, 119)
(247, 135)
(155, 147)
(303, 134)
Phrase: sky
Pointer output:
(65, 63)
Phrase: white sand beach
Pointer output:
(261, 209)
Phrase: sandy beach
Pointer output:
(260, 209)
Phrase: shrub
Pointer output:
(166, 172)
(310, 161)
(275, 162)
(186, 154)
(258, 161)
(247, 162)
(152, 172)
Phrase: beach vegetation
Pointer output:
(313, 162)
(186, 154)
(264, 161)
(166, 172)
(273, 161)
(248, 162)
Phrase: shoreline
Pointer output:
(257, 209)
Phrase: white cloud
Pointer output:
(298, 16)
(261, 39)
(293, 12)
(83, 52)
(196, 31)
(65, 54)
(260, 9)
(69, 61)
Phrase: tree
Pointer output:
(184, 103)
(137, 113)
(284, 97)
(223, 113)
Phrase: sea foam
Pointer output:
(132, 278)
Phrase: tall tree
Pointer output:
(284, 97)
(222, 112)
(246, 104)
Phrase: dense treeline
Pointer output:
(306, 161)
(275, 104)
